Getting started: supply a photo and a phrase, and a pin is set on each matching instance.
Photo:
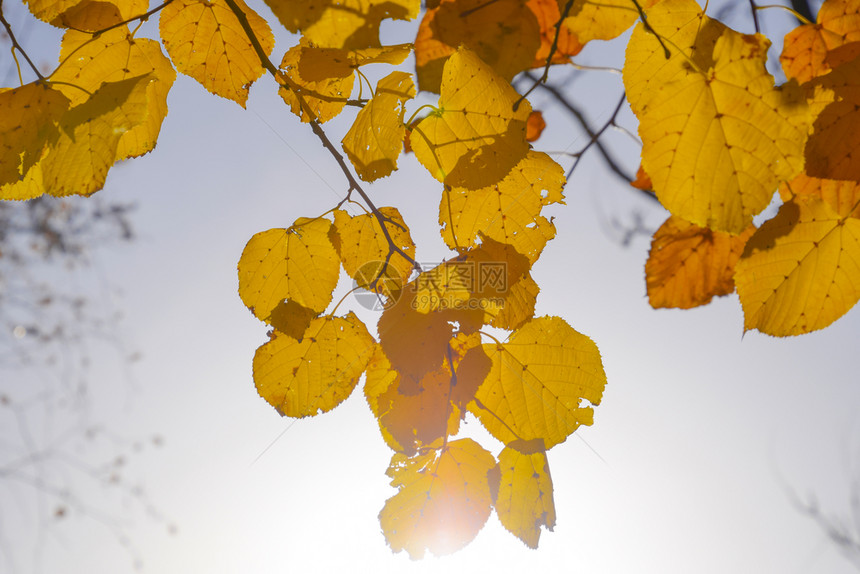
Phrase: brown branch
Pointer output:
(282, 80)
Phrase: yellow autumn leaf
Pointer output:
(88, 61)
(507, 211)
(718, 138)
(689, 265)
(524, 502)
(601, 19)
(320, 79)
(474, 137)
(341, 23)
(519, 304)
(416, 343)
(542, 385)
(477, 282)
(504, 34)
(205, 40)
(29, 118)
(801, 270)
(78, 162)
(48, 10)
(375, 140)
(302, 378)
(805, 48)
(832, 149)
(414, 414)
(95, 15)
(841, 195)
(443, 499)
(298, 264)
(365, 253)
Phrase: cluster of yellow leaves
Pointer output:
(719, 138)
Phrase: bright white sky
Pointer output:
(683, 471)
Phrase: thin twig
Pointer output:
(549, 57)
(319, 132)
(16, 45)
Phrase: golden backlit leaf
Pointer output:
(601, 19)
(89, 137)
(91, 16)
(302, 378)
(805, 48)
(341, 23)
(415, 343)
(833, 149)
(642, 181)
(298, 264)
(443, 499)
(504, 33)
(507, 211)
(48, 10)
(717, 136)
(542, 384)
(478, 281)
(519, 304)
(205, 40)
(841, 195)
(29, 118)
(88, 61)
(689, 265)
(430, 54)
(364, 249)
(474, 137)
(801, 270)
(525, 502)
(414, 415)
(567, 45)
(375, 140)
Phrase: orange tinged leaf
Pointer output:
(507, 211)
(91, 60)
(298, 264)
(567, 45)
(689, 265)
(805, 48)
(206, 41)
(534, 126)
(801, 270)
(430, 54)
(542, 383)
(642, 181)
(524, 502)
(302, 378)
(443, 499)
(718, 137)
(841, 195)
(468, 141)
(374, 141)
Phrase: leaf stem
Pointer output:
(791, 11)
